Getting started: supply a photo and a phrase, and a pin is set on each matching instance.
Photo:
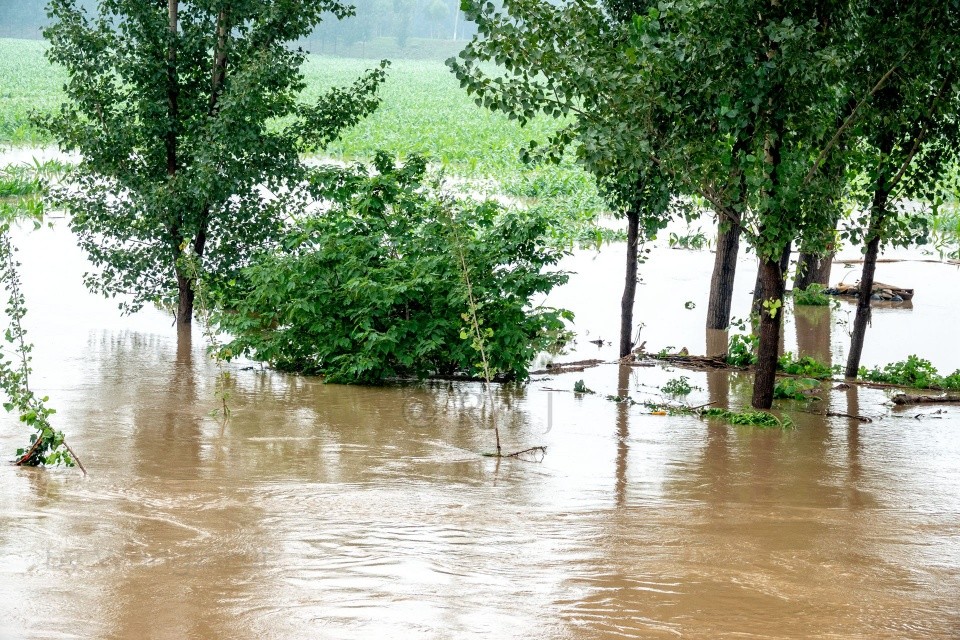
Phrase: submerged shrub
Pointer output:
(913, 372)
(760, 419)
(375, 286)
(742, 350)
(806, 366)
(795, 389)
(677, 386)
(812, 296)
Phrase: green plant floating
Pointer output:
(759, 419)
(677, 386)
(806, 366)
(580, 387)
(795, 389)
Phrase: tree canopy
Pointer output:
(186, 118)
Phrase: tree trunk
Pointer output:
(219, 61)
(629, 284)
(813, 269)
(184, 300)
(724, 272)
(771, 277)
(759, 294)
(866, 285)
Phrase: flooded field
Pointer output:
(323, 511)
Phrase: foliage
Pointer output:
(47, 445)
(812, 296)
(944, 224)
(677, 386)
(906, 124)
(23, 188)
(373, 287)
(807, 366)
(667, 409)
(913, 372)
(169, 106)
(742, 350)
(580, 387)
(795, 389)
(569, 62)
(760, 419)
(694, 241)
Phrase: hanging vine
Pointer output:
(47, 445)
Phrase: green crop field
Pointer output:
(424, 111)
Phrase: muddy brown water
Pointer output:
(323, 511)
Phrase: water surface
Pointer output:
(324, 511)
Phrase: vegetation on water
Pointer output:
(24, 186)
(741, 351)
(372, 289)
(192, 119)
(677, 386)
(807, 367)
(759, 419)
(692, 240)
(795, 389)
(581, 387)
(915, 372)
(812, 296)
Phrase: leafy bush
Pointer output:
(812, 296)
(374, 287)
(952, 381)
(912, 372)
(806, 366)
(742, 351)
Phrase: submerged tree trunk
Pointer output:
(866, 284)
(629, 284)
(724, 273)
(813, 269)
(771, 279)
(184, 300)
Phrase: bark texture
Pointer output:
(766, 371)
(629, 284)
(724, 273)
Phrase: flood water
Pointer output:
(324, 511)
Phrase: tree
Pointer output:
(185, 116)
(906, 128)
(745, 130)
(572, 61)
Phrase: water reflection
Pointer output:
(813, 325)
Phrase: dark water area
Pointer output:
(326, 511)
